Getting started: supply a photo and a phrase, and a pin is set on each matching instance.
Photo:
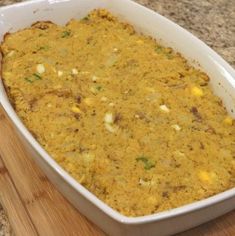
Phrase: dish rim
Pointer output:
(217, 198)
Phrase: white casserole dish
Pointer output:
(18, 16)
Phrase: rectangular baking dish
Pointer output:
(19, 16)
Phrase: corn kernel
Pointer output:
(11, 53)
(94, 78)
(206, 176)
(228, 121)
(89, 101)
(164, 108)
(144, 183)
(74, 71)
(60, 73)
(108, 118)
(75, 109)
(176, 127)
(104, 99)
(197, 92)
(41, 68)
(110, 128)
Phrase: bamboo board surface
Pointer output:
(35, 207)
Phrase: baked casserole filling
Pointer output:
(129, 119)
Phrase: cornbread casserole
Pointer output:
(129, 119)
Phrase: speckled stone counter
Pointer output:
(213, 21)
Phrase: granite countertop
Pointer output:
(213, 21)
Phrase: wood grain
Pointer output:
(34, 206)
(222, 226)
(18, 216)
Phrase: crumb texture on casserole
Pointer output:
(129, 119)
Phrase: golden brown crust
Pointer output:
(129, 119)
(43, 25)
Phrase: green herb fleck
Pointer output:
(44, 48)
(169, 56)
(147, 163)
(65, 34)
(37, 76)
(99, 87)
(96, 89)
(166, 52)
(86, 18)
(159, 49)
(33, 78)
(28, 80)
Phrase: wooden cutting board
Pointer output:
(35, 207)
